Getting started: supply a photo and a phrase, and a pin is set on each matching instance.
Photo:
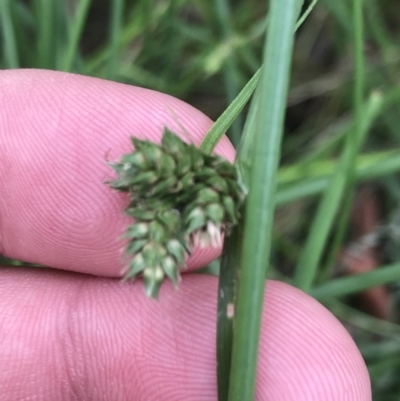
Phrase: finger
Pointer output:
(57, 131)
(67, 336)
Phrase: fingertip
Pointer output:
(313, 356)
(119, 109)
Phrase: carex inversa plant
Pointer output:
(180, 197)
(58, 35)
(184, 215)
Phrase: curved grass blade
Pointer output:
(227, 118)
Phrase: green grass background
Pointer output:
(341, 129)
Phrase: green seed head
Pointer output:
(171, 269)
(136, 159)
(153, 278)
(137, 230)
(173, 144)
(136, 266)
(180, 197)
(231, 210)
(195, 220)
(153, 154)
(207, 195)
(153, 252)
(215, 212)
(136, 245)
(177, 250)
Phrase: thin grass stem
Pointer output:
(46, 34)
(230, 69)
(344, 175)
(306, 13)
(75, 32)
(227, 293)
(359, 282)
(227, 118)
(260, 203)
(10, 49)
(117, 9)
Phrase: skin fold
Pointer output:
(76, 332)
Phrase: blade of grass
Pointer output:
(230, 69)
(260, 202)
(10, 52)
(226, 119)
(339, 235)
(46, 38)
(227, 292)
(369, 166)
(24, 23)
(349, 285)
(378, 350)
(362, 320)
(230, 266)
(343, 177)
(246, 147)
(385, 162)
(117, 9)
(75, 32)
(306, 13)
(359, 85)
(327, 209)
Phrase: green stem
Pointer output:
(229, 115)
(230, 267)
(260, 202)
(345, 172)
(46, 37)
(227, 292)
(230, 69)
(359, 282)
(10, 52)
(117, 9)
(359, 82)
(75, 33)
(306, 13)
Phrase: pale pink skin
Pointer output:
(69, 336)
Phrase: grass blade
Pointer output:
(10, 52)
(230, 267)
(227, 292)
(117, 9)
(46, 35)
(322, 224)
(75, 33)
(230, 71)
(306, 13)
(230, 114)
(260, 202)
(359, 282)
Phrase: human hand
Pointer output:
(69, 336)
